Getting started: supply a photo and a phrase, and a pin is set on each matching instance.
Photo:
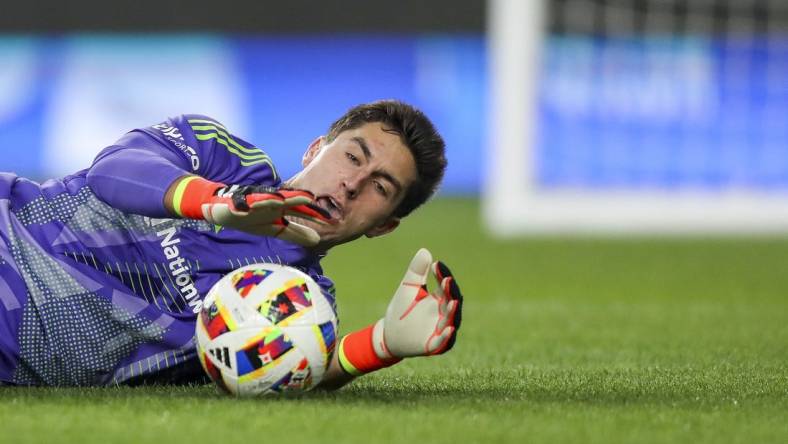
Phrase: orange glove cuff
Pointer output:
(357, 355)
(190, 193)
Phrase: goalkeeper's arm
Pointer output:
(142, 174)
(417, 323)
(255, 209)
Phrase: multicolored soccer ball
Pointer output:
(266, 328)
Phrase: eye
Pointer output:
(353, 158)
(381, 189)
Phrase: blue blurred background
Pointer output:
(655, 108)
(64, 98)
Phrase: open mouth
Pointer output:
(329, 204)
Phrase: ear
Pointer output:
(312, 150)
(386, 227)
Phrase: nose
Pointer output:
(352, 186)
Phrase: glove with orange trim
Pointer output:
(417, 322)
(254, 209)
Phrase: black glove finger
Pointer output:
(261, 189)
(309, 211)
(293, 192)
(452, 339)
(442, 272)
(239, 194)
(454, 294)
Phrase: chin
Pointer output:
(325, 231)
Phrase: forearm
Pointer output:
(354, 356)
(335, 378)
(135, 181)
(169, 196)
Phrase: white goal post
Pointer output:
(513, 200)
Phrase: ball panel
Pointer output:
(213, 372)
(328, 335)
(212, 320)
(236, 312)
(323, 310)
(244, 281)
(261, 353)
(261, 382)
(288, 303)
(309, 340)
(299, 378)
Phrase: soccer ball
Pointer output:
(266, 328)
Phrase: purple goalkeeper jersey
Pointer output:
(98, 285)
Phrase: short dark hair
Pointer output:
(417, 133)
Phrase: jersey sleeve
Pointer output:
(216, 154)
(134, 174)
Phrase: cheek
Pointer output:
(376, 210)
(322, 172)
(331, 169)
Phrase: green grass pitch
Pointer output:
(563, 340)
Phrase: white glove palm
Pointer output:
(417, 322)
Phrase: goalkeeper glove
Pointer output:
(417, 322)
(254, 209)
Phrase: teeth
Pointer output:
(329, 205)
(332, 206)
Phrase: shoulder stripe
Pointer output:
(211, 129)
(249, 156)
(232, 149)
(209, 122)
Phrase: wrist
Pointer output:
(364, 351)
(379, 342)
(190, 194)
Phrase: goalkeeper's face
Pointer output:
(360, 178)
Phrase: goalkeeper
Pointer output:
(102, 273)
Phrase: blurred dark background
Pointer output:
(404, 16)
(245, 16)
